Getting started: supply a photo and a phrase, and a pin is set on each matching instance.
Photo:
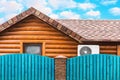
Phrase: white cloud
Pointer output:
(9, 16)
(10, 7)
(86, 6)
(40, 5)
(108, 2)
(58, 4)
(54, 16)
(115, 11)
(92, 13)
(1, 20)
(20, 1)
(69, 15)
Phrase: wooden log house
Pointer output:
(57, 37)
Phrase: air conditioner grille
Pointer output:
(85, 50)
(88, 49)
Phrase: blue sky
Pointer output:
(63, 9)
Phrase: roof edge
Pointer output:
(45, 18)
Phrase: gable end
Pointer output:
(43, 17)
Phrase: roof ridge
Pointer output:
(45, 18)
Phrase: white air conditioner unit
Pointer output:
(88, 49)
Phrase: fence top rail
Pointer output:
(94, 55)
(24, 54)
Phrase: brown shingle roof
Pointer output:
(43, 17)
(95, 30)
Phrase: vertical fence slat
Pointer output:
(80, 69)
(91, 78)
(40, 68)
(15, 69)
(87, 68)
(43, 70)
(20, 67)
(37, 71)
(74, 68)
(23, 62)
(107, 65)
(33, 64)
(94, 67)
(77, 69)
(104, 71)
(3, 76)
(49, 68)
(118, 69)
(115, 66)
(6, 69)
(84, 68)
(0, 68)
(97, 63)
(26, 67)
(9, 67)
(53, 64)
(70, 68)
(110, 68)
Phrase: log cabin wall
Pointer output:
(56, 43)
(108, 49)
(34, 30)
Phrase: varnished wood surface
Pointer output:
(33, 29)
(118, 50)
(108, 49)
(56, 43)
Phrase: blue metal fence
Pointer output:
(93, 67)
(26, 67)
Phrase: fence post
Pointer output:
(60, 68)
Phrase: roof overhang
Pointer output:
(45, 18)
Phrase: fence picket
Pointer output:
(93, 67)
(87, 67)
(0, 67)
(97, 71)
(118, 69)
(26, 67)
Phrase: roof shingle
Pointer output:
(95, 30)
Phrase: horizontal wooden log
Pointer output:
(61, 50)
(33, 33)
(9, 41)
(61, 46)
(108, 47)
(9, 50)
(8, 53)
(108, 51)
(7, 46)
(34, 37)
